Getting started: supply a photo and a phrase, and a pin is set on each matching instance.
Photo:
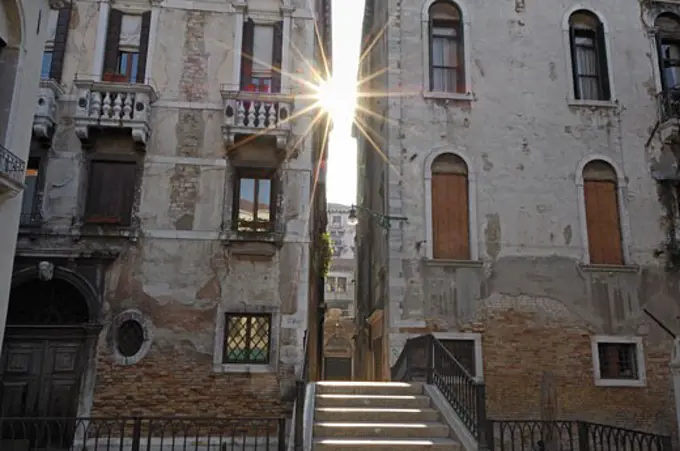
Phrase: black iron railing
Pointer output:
(534, 435)
(426, 359)
(142, 434)
(11, 165)
(300, 389)
(669, 104)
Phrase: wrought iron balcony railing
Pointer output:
(11, 173)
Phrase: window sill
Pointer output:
(592, 267)
(604, 104)
(637, 383)
(438, 95)
(453, 263)
(243, 368)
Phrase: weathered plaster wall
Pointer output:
(524, 141)
(20, 74)
(176, 268)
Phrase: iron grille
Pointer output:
(618, 361)
(130, 338)
(247, 338)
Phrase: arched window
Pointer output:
(588, 57)
(450, 209)
(602, 213)
(447, 62)
(668, 46)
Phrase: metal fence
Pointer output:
(535, 435)
(142, 434)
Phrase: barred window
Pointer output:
(247, 338)
(618, 360)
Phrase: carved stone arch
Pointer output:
(580, 7)
(73, 278)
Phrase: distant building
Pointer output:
(339, 296)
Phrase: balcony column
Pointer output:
(239, 17)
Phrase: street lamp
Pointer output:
(383, 221)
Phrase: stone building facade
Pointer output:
(20, 56)
(166, 254)
(532, 148)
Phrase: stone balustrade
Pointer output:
(114, 105)
(249, 113)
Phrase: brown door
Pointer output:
(337, 369)
(40, 378)
(378, 359)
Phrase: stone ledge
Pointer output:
(453, 263)
(589, 267)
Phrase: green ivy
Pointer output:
(326, 253)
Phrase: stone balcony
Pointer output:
(256, 113)
(103, 105)
(45, 118)
(11, 173)
(668, 102)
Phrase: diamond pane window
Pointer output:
(247, 338)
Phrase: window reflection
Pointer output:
(254, 204)
(46, 65)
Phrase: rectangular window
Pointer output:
(30, 213)
(46, 65)
(247, 338)
(342, 284)
(254, 202)
(670, 63)
(331, 284)
(445, 59)
(126, 48)
(337, 220)
(587, 64)
(261, 55)
(618, 360)
(110, 192)
(464, 352)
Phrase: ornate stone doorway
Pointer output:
(48, 340)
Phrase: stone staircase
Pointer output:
(377, 416)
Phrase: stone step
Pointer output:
(369, 388)
(375, 414)
(369, 444)
(397, 401)
(381, 430)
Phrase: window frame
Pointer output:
(133, 202)
(572, 100)
(220, 334)
(257, 174)
(467, 336)
(36, 213)
(465, 94)
(248, 317)
(454, 40)
(639, 381)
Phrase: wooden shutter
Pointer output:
(110, 192)
(277, 56)
(660, 58)
(59, 47)
(605, 93)
(574, 62)
(112, 41)
(431, 51)
(450, 216)
(603, 224)
(143, 47)
(247, 52)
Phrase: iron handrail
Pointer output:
(11, 165)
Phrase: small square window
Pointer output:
(337, 220)
(247, 338)
(342, 284)
(618, 361)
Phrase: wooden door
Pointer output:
(40, 379)
(337, 369)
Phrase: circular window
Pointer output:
(130, 338)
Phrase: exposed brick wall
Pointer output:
(519, 346)
(173, 383)
(183, 196)
(193, 84)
